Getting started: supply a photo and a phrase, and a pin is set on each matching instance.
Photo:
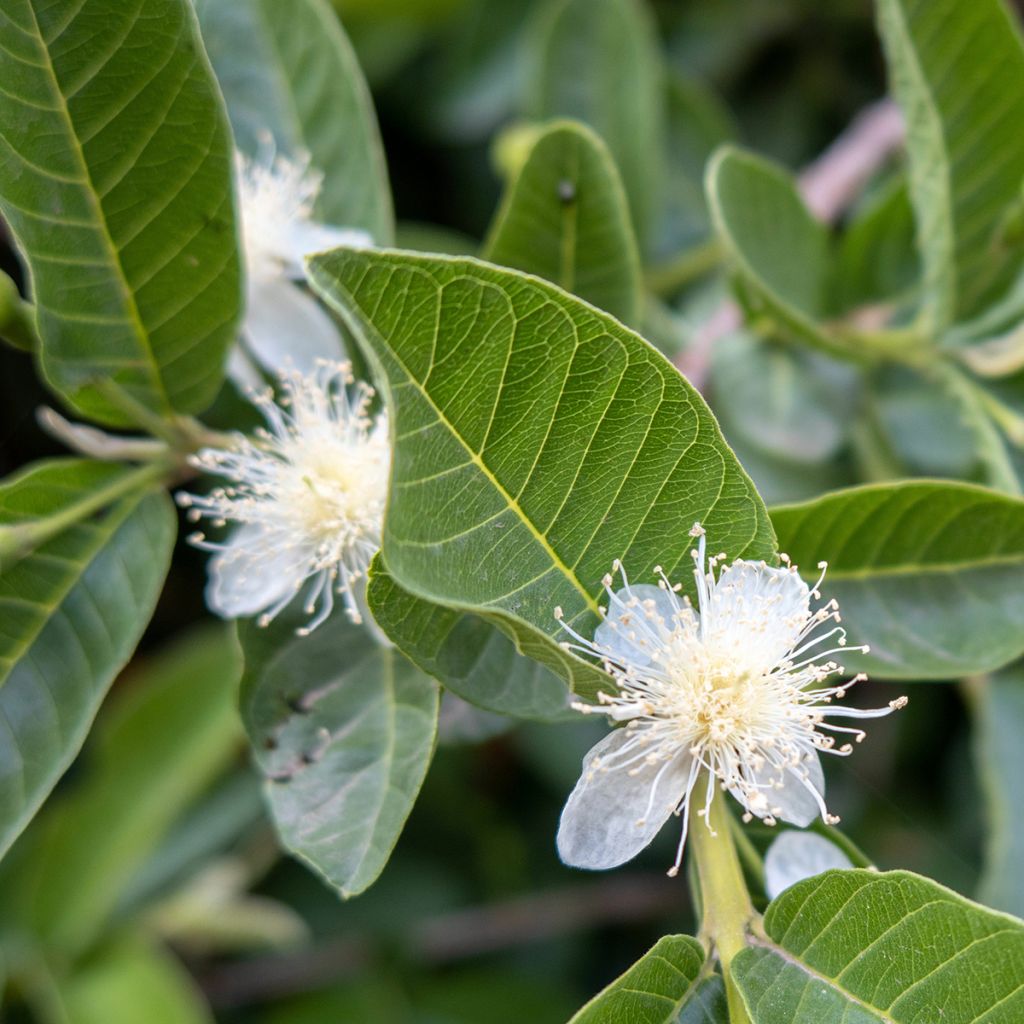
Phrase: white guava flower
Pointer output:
(307, 496)
(284, 326)
(731, 688)
(794, 856)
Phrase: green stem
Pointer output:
(669, 278)
(748, 854)
(728, 912)
(17, 539)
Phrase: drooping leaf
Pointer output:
(667, 985)
(999, 710)
(598, 61)
(153, 753)
(928, 573)
(132, 981)
(957, 70)
(466, 653)
(343, 729)
(779, 250)
(565, 218)
(115, 179)
(513, 491)
(859, 947)
(72, 612)
(288, 71)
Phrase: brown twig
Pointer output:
(829, 185)
(448, 938)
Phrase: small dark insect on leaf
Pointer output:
(566, 191)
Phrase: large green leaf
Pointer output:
(598, 61)
(72, 612)
(466, 653)
(929, 573)
(513, 490)
(859, 947)
(667, 985)
(344, 730)
(149, 758)
(957, 70)
(999, 709)
(131, 981)
(288, 69)
(780, 251)
(565, 218)
(115, 178)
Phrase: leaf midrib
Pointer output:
(99, 217)
(917, 569)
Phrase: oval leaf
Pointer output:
(929, 574)
(957, 70)
(513, 491)
(565, 218)
(288, 69)
(125, 220)
(72, 612)
(344, 730)
(859, 947)
(667, 985)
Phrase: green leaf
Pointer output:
(788, 402)
(73, 611)
(344, 730)
(999, 717)
(513, 491)
(859, 947)
(565, 218)
(288, 69)
(470, 656)
(667, 985)
(598, 61)
(152, 754)
(928, 573)
(876, 260)
(116, 182)
(779, 250)
(133, 981)
(957, 70)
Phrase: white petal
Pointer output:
(286, 329)
(794, 856)
(308, 237)
(599, 826)
(791, 801)
(242, 371)
(643, 616)
(255, 570)
(760, 610)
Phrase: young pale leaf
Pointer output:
(957, 70)
(598, 61)
(565, 218)
(149, 758)
(129, 982)
(288, 70)
(116, 182)
(344, 730)
(513, 490)
(999, 709)
(73, 611)
(859, 947)
(667, 985)
(928, 573)
(469, 655)
(779, 250)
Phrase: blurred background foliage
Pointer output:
(148, 878)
